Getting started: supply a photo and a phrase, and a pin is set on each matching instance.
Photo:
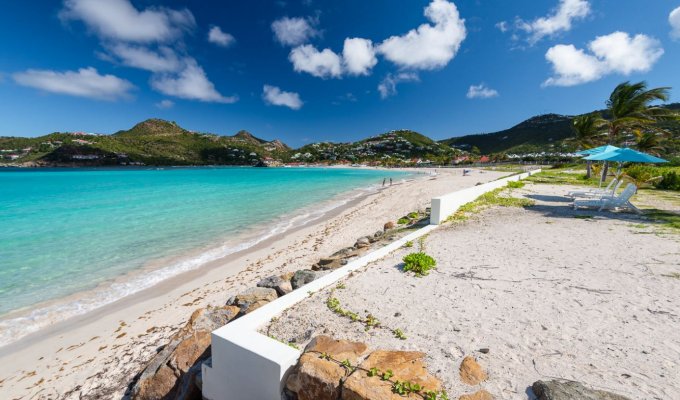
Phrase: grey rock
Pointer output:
(344, 252)
(302, 277)
(569, 390)
(277, 283)
(362, 242)
(254, 298)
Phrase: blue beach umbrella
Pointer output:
(597, 150)
(625, 155)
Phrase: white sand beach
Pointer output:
(545, 292)
(95, 356)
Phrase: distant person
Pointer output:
(390, 181)
(384, 179)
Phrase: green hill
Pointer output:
(543, 133)
(152, 142)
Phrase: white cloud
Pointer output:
(120, 20)
(481, 91)
(165, 104)
(674, 20)
(164, 60)
(613, 53)
(560, 20)
(275, 96)
(428, 46)
(294, 31)
(322, 64)
(388, 86)
(358, 56)
(190, 83)
(502, 26)
(86, 82)
(220, 38)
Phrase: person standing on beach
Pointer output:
(384, 179)
(390, 181)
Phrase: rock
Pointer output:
(484, 350)
(346, 252)
(253, 298)
(471, 372)
(316, 378)
(479, 395)
(362, 242)
(378, 234)
(389, 225)
(302, 277)
(407, 366)
(328, 263)
(287, 276)
(282, 286)
(569, 390)
(172, 373)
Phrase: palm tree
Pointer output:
(650, 142)
(587, 129)
(630, 107)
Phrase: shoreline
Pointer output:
(115, 341)
(254, 238)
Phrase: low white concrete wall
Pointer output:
(445, 206)
(249, 365)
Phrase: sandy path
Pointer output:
(589, 299)
(96, 355)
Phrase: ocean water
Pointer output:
(72, 240)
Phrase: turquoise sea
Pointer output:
(107, 233)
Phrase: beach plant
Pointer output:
(373, 372)
(403, 221)
(399, 334)
(413, 215)
(419, 263)
(408, 244)
(516, 184)
(387, 375)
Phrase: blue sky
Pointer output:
(313, 70)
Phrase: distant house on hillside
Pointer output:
(484, 159)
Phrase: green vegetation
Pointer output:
(419, 263)
(561, 177)
(152, 142)
(369, 322)
(665, 218)
(516, 184)
(489, 199)
(533, 135)
(403, 220)
(408, 244)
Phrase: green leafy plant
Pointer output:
(516, 184)
(340, 286)
(373, 372)
(403, 221)
(413, 215)
(387, 375)
(408, 244)
(399, 334)
(419, 263)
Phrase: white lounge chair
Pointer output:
(610, 190)
(622, 201)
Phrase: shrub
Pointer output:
(419, 263)
(413, 215)
(515, 184)
(403, 221)
(670, 181)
